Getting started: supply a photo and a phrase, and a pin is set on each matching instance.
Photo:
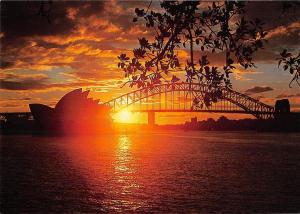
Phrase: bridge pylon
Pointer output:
(151, 118)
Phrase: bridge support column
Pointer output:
(151, 118)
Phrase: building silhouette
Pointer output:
(74, 113)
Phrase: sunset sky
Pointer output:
(43, 59)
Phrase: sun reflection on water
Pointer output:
(125, 170)
(123, 156)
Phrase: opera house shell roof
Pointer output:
(74, 109)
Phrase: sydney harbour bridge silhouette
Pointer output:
(170, 97)
(178, 97)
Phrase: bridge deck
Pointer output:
(200, 110)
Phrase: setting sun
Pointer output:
(124, 116)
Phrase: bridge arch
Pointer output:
(247, 104)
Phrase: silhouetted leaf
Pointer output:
(139, 12)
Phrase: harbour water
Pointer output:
(196, 172)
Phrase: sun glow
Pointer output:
(124, 116)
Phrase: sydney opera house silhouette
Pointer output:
(74, 113)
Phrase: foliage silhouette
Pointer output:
(220, 28)
(290, 63)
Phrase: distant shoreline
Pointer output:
(23, 123)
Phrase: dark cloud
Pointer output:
(6, 64)
(38, 82)
(13, 82)
(258, 89)
(273, 13)
(47, 45)
(21, 19)
(28, 84)
(125, 19)
(94, 44)
(17, 99)
(278, 17)
(287, 95)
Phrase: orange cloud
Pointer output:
(283, 30)
(72, 12)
